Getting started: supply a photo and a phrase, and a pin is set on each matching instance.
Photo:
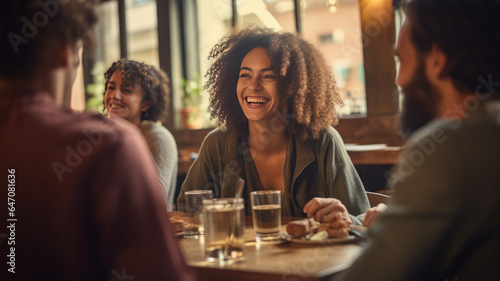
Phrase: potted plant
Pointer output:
(94, 91)
(191, 115)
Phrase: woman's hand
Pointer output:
(324, 209)
(373, 213)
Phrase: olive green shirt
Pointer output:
(314, 168)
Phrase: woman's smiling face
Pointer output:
(124, 99)
(257, 86)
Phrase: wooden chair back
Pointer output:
(376, 198)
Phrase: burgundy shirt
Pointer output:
(87, 200)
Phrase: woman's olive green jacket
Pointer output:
(314, 168)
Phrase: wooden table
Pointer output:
(384, 156)
(264, 262)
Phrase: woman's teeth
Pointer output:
(115, 106)
(257, 100)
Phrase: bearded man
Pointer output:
(443, 221)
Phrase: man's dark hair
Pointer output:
(306, 85)
(29, 27)
(154, 83)
(467, 31)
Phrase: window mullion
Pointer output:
(122, 22)
(299, 17)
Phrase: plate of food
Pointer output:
(308, 231)
(180, 234)
(183, 222)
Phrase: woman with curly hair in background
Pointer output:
(140, 94)
(275, 98)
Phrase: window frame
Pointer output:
(382, 98)
(379, 125)
(179, 57)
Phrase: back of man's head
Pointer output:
(467, 31)
(29, 28)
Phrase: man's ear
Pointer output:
(62, 54)
(436, 62)
(145, 105)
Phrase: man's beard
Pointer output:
(419, 103)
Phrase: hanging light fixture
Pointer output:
(331, 6)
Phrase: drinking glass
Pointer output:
(266, 211)
(194, 204)
(224, 221)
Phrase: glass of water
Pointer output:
(224, 221)
(266, 212)
(194, 204)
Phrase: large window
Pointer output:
(107, 32)
(356, 37)
(126, 28)
(142, 32)
(333, 26)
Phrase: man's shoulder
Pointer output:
(68, 128)
(477, 126)
(39, 113)
(455, 144)
(437, 130)
(109, 129)
(56, 142)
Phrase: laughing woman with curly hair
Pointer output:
(275, 99)
(140, 94)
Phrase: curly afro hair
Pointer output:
(154, 83)
(306, 83)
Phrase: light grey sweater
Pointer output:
(162, 145)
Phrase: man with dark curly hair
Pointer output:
(275, 98)
(84, 201)
(140, 94)
(443, 222)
